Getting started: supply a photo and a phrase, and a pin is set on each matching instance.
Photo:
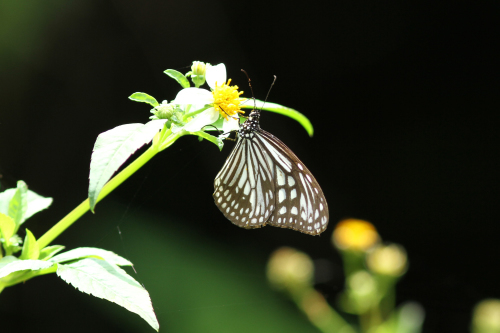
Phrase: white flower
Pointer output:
(223, 99)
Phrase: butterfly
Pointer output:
(264, 183)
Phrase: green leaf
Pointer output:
(7, 227)
(104, 280)
(113, 148)
(49, 251)
(35, 202)
(179, 77)
(85, 252)
(143, 97)
(30, 247)
(9, 265)
(218, 142)
(273, 107)
(19, 203)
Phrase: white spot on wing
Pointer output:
(246, 191)
(280, 176)
(281, 195)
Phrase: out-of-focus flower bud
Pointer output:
(361, 292)
(390, 260)
(289, 269)
(486, 317)
(355, 235)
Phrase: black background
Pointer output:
(403, 97)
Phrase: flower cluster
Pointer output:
(223, 100)
(194, 108)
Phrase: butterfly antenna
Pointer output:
(271, 87)
(251, 89)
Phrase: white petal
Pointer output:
(231, 124)
(207, 117)
(216, 74)
(194, 96)
(174, 128)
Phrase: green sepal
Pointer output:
(143, 97)
(277, 108)
(30, 247)
(179, 77)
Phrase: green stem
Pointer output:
(320, 313)
(190, 114)
(76, 213)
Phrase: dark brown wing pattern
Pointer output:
(263, 182)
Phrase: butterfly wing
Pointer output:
(244, 187)
(300, 202)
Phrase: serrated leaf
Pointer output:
(7, 227)
(104, 280)
(113, 148)
(35, 202)
(7, 260)
(179, 77)
(145, 98)
(84, 252)
(49, 251)
(19, 203)
(17, 265)
(277, 108)
(30, 247)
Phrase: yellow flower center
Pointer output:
(227, 99)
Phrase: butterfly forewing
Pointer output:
(244, 188)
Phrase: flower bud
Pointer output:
(390, 260)
(163, 111)
(361, 293)
(288, 269)
(486, 317)
(198, 71)
(355, 235)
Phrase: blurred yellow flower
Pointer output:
(388, 260)
(486, 317)
(288, 268)
(355, 235)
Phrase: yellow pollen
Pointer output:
(227, 99)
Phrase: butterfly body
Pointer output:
(263, 182)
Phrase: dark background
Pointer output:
(403, 98)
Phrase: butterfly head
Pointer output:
(251, 124)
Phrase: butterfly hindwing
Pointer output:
(244, 188)
(300, 202)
